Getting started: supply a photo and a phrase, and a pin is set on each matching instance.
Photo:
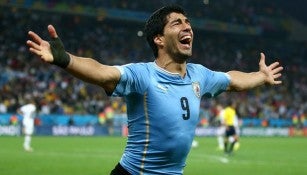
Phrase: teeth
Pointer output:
(186, 37)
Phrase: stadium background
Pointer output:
(229, 34)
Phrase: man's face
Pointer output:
(178, 37)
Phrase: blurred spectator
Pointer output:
(14, 120)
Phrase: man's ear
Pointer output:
(159, 40)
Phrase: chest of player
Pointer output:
(175, 102)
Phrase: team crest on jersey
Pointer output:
(196, 89)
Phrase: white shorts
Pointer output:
(28, 126)
(220, 131)
(28, 130)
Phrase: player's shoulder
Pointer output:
(196, 66)
(140, 65)
(136, 70)
(29, 106)
(226, 108)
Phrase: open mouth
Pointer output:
(186, 40)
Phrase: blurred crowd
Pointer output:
(232, 11)
(118, 42)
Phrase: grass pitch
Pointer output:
(98, 156)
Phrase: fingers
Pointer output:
(52, 31)
(37, 52)
(273, 71)
(276, 76)
(34, 48)
(35, 37)
(41, 47)
(271, 66)
(38, 39)
(262, 58)
(33, 45)
(277, 82)
(274, 65)
(276, 69)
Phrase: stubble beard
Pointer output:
(182, 57)
(179, 56)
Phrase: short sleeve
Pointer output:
(212, 82)
(132, 80)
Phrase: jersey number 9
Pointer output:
(185, 106)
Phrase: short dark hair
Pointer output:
(156, 23)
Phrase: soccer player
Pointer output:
(221, 129)
(231, 123)
(28, 112)
(163, 97)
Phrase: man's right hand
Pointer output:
(52, 52)
(41, 47)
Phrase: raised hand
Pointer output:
(41, 47)
(271, 72)
(52, 52)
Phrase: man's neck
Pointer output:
(172, 66)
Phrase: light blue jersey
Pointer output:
(163, 111)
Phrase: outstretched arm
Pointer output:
(266, 75)
(86, 69)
